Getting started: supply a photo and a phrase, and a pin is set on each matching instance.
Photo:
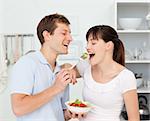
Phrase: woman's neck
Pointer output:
(106, 67)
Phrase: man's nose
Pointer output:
(69, 37)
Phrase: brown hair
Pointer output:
(108, 33)
(49, 23)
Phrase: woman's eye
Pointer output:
(93, 43)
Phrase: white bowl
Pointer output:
(130, 23)
(139, 82)
(78, 109)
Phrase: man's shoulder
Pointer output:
(29, 59)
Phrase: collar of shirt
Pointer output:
(43, 60)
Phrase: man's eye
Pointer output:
(64, 33)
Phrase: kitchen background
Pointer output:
(19, 19)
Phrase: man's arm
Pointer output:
(23, 104)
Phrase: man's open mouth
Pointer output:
(66, 45)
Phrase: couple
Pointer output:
(39, 87)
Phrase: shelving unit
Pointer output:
(136, 41)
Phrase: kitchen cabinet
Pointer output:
(136, 38)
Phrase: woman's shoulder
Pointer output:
(127, 81)
(127, 72)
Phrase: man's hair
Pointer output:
(49, 23)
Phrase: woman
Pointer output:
(108, 84)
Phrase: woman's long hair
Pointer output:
(108, 33)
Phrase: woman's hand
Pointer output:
(72, 72)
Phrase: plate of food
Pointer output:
(78, 106)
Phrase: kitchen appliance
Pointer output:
(139, 79)
(144, 110)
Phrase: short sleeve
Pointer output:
(82, 66)
(127, 81)
(22, 76)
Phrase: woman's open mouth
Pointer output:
(91, 55)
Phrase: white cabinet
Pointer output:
(135, 38)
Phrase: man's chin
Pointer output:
(64, 53)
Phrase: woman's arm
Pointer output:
(74, 70)
(131, 103)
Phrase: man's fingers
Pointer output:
(81, 115)
(67, 81)
(73, 115)
(78, 115)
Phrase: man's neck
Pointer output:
(49, 56)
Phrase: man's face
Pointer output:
(60, 39)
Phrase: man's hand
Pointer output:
(62, 79)
(67, 114)
(78, 115)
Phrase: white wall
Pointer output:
(22, 16)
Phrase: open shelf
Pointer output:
(133, 31)
(138, 61)
(143, 90)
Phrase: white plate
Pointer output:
(78, 109)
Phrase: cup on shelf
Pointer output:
(145, 83)
(148, 83)
(139, 82)
(137, 53)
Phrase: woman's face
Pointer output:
(96, 49)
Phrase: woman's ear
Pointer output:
(109, 45)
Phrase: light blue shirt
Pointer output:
(31, 75)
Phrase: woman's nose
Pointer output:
(88, 46)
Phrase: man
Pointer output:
(38, 87)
